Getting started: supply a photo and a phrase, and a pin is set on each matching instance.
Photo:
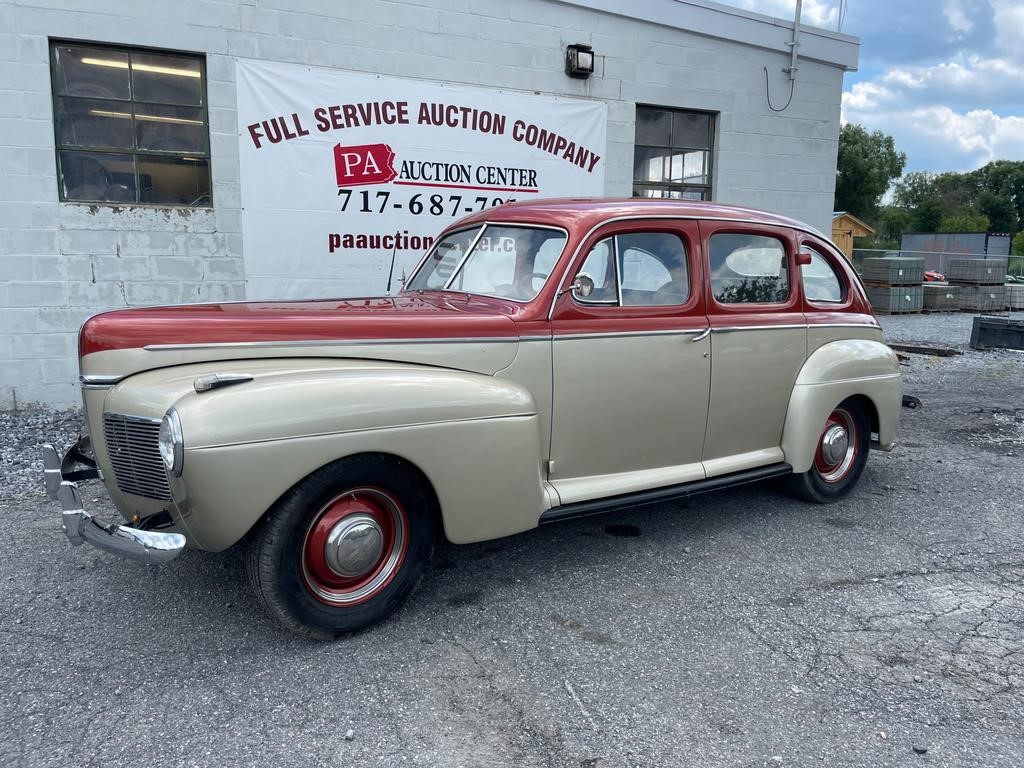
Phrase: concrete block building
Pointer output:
(123, 145)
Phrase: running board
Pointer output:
(658, 495)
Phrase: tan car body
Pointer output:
(502, 429)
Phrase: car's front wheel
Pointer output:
(344, 547)
(839, 458)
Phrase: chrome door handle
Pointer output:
(702, 335)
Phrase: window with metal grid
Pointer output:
(672, 154)
(131, 125)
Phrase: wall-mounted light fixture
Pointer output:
(579, 61)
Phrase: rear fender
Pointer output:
(831, 374)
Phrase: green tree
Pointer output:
(999, 209)
(1004, 178)
(866, 165)
(965, 220)
(1017, 247)
(918, 194)
(893, 223)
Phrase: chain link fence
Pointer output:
(938, 261)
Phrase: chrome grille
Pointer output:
(134, 452)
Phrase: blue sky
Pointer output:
(945, 78)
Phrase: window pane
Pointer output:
(91, 123)
(167, 79)
(601, 269)
(92, 72)
(649, 164)
(175, 129)
(677, 193)
(653, 126)
(653, 269)
(691, 129)
(441, 262)
(174, 180)
(821, 283)
(97, 177)
(748, 269)
(688, 168)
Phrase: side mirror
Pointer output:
(583, 286)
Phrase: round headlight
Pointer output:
(172, 445)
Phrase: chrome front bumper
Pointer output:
(62, 475)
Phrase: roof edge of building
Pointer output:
(704, 17)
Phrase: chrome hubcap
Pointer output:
(354, 545)
(834, 444)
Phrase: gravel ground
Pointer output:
(736, 629)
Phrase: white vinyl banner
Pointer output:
(345, 173)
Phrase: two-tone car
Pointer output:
(545, 360)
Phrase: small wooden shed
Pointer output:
(845, 227)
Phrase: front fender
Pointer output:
(831, 374)
(475, 438)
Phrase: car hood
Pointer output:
(439, 328)
(420, 316)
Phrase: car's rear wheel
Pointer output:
(344, 547)
(839, 458)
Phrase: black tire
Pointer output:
(824, 483)
(289, 561)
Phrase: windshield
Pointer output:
(511, 262)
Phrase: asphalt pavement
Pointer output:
(743, 628)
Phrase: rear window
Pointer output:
(748, 269)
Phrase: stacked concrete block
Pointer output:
(894, 283)
(940, 297)
(1014, 295)
(977, 271)
(981, 283)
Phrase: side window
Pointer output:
(638, 269)
(748, 269)
(600, 266)
(821, 283)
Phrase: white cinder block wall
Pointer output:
(61, 262)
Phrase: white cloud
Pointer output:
(959, 113)
(816, 13)
(935, 136)
(1009, 26)
(950, 74)
(957, 15)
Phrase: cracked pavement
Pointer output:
(737, 629)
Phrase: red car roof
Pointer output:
(592, 210)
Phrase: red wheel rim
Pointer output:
(837, 447)
(354, 546)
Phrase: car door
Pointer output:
(630, 363)
(758, 342)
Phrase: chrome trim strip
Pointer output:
(462, 261)
(459, 340)
(328, 343)
(626, 334)
(99, 381)
(844, 325)
(731, 328)
(618, 271)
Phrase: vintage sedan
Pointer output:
(545, 360)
